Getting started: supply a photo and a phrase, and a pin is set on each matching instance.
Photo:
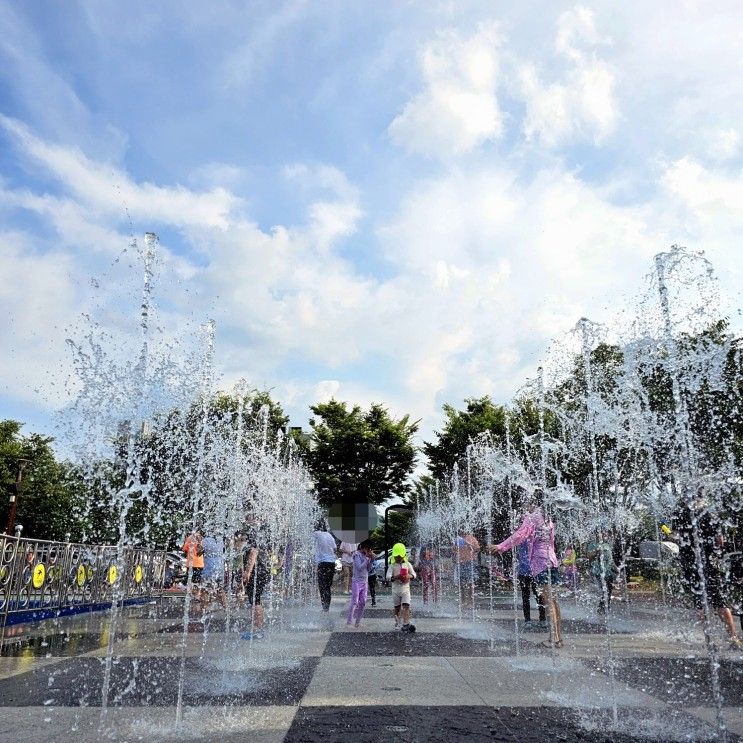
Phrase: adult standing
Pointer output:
(256, 574)
(213, 571)
(527, 586)
(325, 546)
(347, 567)
(710, 542)
(540, 537)
(194, 560)
(601, 554)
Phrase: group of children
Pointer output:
(399, 574)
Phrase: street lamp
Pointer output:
(14, 493)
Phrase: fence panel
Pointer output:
(39, 575)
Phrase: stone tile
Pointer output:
(404, 644)
(544, 680)
(342, 681)
(274, 645)
(231, 680)
(733, 717)
(478, 724)
(681, 681)
(150, 725)
(23, 664)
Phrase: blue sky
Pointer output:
(379, 201)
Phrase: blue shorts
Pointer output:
(467, 572)
(547, 576)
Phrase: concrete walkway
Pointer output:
(312, 678)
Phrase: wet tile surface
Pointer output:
(398, 643)
(154, 682)
(681, 681)
(418, 724)
(454, 679)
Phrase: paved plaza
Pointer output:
(312, 678)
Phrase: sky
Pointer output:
(400, 202)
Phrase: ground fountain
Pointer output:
(185, 456)
(625, 426)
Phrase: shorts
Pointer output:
(254, 590)
(713, 584)
(196, 574)
(467, 572)
(400, 597)
(213, 575)
(547, 576)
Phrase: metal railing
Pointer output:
(42, 577)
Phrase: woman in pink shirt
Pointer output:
(540, 536)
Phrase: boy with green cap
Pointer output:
(399, 573)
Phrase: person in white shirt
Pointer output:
(325, 547)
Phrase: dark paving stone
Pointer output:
(154, 682)
(420, 644)
(56, 645)
(373, 613)
(217, 624)
(680, 681)
(473, 724)
(569, 627)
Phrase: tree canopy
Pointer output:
(359, 456)
(48, 498)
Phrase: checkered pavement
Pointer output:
(312, 678)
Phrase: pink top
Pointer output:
(541, 538)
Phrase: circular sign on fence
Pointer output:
(39, 575)
(81, 575)
(112, 575)
(138, 574)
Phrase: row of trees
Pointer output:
(354, 455)
(368, 456)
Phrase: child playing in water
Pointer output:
(427, 572)
(399, 573)
(539, 533)
(570, 568)
(361, 561)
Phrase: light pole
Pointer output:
(14, 493)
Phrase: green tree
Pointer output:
(481, 415)
(47, 503)
(358, 456)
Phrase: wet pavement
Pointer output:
(462, 675)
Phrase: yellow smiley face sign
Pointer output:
(80, 575)
(112, 575)
(138, 574)
(39, 575)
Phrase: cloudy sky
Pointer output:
(397, 201)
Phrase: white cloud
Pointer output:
(457, 110)
(723, 143)
(38, 299)
(483, 258)
(109, 191)
(583, 104)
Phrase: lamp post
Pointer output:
(14, 493)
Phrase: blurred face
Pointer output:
(398, 558)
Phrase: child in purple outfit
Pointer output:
(362, 562)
